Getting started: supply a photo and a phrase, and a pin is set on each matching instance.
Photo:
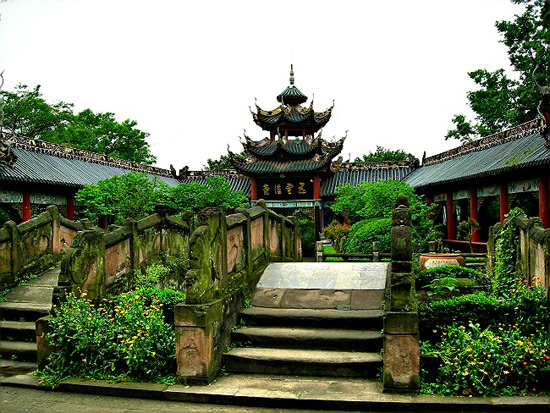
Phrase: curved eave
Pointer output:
(276, 167)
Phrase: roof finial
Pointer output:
(291, 75)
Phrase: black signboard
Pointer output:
(292, 187)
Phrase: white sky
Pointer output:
(187, 71)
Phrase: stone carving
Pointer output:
(6, 154)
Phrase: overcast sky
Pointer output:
(187, 71)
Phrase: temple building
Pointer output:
(295, 168)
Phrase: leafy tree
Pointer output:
(27, 113)
(220, 164)
(382, 154)
(215, 193)
(502, 102)
(375, 201)
(132, 195)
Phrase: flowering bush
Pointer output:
(124, 337)
(496, 361)
(335, 232)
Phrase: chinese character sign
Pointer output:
(285, 188)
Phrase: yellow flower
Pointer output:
(153, 353)
(136, 297)
(84, 360)
(506, 372)
(89, 318)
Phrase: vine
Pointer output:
(505, 276)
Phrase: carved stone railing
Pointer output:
(34, 245)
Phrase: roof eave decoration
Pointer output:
(6, 154)
(544, 108)
(518, 132)
(61, 151)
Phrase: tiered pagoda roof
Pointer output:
(279, 154)
(290, 115)
(286, 155)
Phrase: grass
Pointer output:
(329, 249)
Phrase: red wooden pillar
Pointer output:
(451, 221)
(473, 212)
(253, 190)
(544, 211)
(26, 206)
(503, 200)
(316, 187)
(70, 207)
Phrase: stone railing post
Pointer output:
(375, 251)
(319, 251)
(401, 342)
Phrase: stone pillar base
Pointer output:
(401, 353)
(197, 330)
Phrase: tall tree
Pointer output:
(220, 164)
(27, 113)
(382, 154)
(502, 102)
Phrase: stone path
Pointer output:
(18, 314)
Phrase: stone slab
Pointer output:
(48, 279)
(317, 299)
(366, 299)
(335, 275)
(268, 297)
(23, 294)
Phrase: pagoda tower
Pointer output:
(286, 168)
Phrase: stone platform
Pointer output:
(323, 285)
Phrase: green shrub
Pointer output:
(124, 337)
(427, 276)
(335, 231)
(499, 360)
(363, 233)
(306, 228)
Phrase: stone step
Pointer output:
(14, 311)
(18, 330)
(302, 362)
(352, 319)
(49, 278)
(18, 351)
(310, 338)
(11, 368)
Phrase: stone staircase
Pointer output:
(302, 324)
(18, 314)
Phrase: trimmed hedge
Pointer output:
(427, 276)
(363, 233)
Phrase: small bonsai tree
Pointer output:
(466, 231)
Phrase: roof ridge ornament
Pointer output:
(543, 107)
(291, 75)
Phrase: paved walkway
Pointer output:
(269, 392)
